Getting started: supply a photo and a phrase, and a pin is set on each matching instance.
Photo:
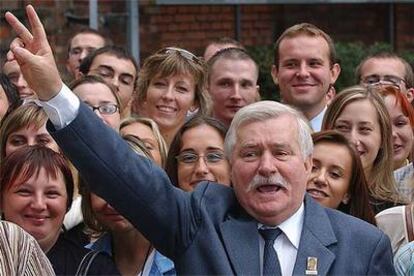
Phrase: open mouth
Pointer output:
(397, 148)
(315, 193)
(268, 188)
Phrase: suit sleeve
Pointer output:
(382, 260)
(132, 184)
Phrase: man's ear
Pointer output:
(274, 73)
(308, 164)
(410, 94)
(258, 98)
(335, 71)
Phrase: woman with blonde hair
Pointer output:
(360, 115)
(148, 132)
(25, 126)
(171, 85)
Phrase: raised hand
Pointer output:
(34, 55)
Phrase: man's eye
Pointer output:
(290, 64)
(105, 74)
(76, 51)
(282, 155)
(250, 155)
(246, 84)
(224, 84)
(126, 80)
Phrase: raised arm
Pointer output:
(33, 53)
(137, 188)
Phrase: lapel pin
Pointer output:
(312, 266)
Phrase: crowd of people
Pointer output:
(178, 167)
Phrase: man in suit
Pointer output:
(215, 229)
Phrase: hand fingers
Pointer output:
(10, 56)
(36, 25)
(22, 56)
(19, 28)
(17, 42)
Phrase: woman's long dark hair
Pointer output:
(358, 205)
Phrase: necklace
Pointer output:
(145, 260)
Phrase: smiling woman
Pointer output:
(171, 84)
(25, 126)
(197, 154)
(360, 115)
(36, 192)
(337, 178)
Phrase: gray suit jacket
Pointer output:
(207, 231)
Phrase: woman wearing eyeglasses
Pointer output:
(171, 84)
(197, 154)
(101, 98)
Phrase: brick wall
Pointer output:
(192, 26)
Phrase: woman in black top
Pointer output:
(36, 191)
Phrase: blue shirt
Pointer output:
(404, 260)
(161, 265)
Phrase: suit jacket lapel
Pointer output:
(317, 234)
(242, 245)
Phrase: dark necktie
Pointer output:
(271, 264)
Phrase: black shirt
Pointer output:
(66, 256)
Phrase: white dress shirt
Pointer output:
(316, 122)
(61, 109)
(287, 243)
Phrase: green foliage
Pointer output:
(263, 55)
(350, 55)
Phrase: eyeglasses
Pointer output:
(184, 53)
(191, 158)
(385, 80)
(106, 109)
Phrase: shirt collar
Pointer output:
(316, 121)
(292, 227)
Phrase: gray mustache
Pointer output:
(259, 180)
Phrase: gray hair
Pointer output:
(264, 110)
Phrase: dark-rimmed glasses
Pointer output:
(106, 109)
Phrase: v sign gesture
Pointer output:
(34, 55)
